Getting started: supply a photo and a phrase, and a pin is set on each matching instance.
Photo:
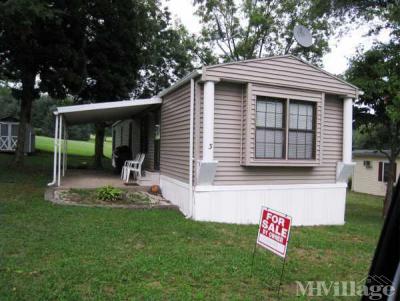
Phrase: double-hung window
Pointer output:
(270, 128)
(301, 130)
(285, 129)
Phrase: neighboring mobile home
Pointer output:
(371, 172)
(230, 138)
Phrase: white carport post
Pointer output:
(59, 149)
(56, 130)
(65, 141)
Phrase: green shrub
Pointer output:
(109, 194)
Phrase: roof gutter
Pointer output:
(180, 82)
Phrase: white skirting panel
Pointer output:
(308, 204)
(176, 192)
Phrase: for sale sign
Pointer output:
(274, 231)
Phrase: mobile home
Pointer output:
(371, 172)
(230, 138)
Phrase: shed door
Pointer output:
(4, 136)
(14, 136)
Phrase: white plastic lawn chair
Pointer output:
(128, 163)
(135, 168)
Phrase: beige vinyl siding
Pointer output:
(284, 71)
(227, 140)
(175, 114)
(365, 179)
(149, 159)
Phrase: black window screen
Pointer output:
(270, 128)
(301, 130)
(386, 169)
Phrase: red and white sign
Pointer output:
(274, 230)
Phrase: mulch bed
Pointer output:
(88, 197)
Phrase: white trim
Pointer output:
(179, 83)
(177, 193)
(191, 142)
(291, 56)
(64, 150)
(347, 129)
(264, 187)
(109, 105)
(116, 123)
(250, 60)
(175, 181)
(307, 204)
(55, 153)
(59, 149)
(208, 121)
(9, 122)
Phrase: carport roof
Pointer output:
(105, 111)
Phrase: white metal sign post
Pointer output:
(273, 235)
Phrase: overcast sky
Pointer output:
(334, 62)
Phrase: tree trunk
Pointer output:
(390, 183)
(99, 145)
(28, 85)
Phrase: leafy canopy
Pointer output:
(41, 38)
(377, 112)
(254, 29)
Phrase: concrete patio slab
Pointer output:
(89, 178)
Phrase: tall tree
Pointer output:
(172, 54)
(362, 10)
(39, 52)
(255, 29)
(131, 49)
(377, 111)
(115, 34)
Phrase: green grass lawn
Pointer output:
(75, 147)
(53, 252)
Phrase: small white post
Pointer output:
(208, 121)
(64, 150)
(59, 150)
(55, 153)
(347, 129)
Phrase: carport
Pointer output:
(89, 113)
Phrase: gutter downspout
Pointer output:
(55, 152)
(191, 159)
